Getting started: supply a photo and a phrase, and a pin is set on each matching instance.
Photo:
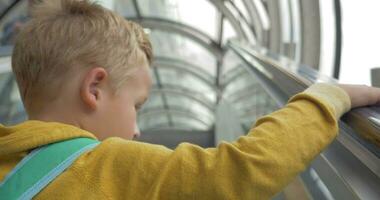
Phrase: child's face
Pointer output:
(119, 112)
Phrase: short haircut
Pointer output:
(66, 36)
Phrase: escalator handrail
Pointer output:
(289, 82)
(349, 162)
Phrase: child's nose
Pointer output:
(137, 135)
(137, 131)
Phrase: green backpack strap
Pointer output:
(41, 166)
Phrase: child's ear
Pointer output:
(92, 85)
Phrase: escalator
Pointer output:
(350, 167)
(218, 84)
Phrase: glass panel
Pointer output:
(151, 120)
(205, 18)
(231, 61)
(173, 113)
(254, 101)
(240, 5)
(157, 120)
(4, 77)
(191, 106)
(13, 21)
(154, 79)
(184, 67)
(125, 8)
(186, 102)
(164, 44)
(243, 81)
(186, 80)
(176, 103)
(244, 92)
(228, 31)
(241, 19)
(4, 4)
(11, 107)
(195, 124)
(154, 101)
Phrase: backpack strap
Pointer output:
(41, 166)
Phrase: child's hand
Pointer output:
(362, 95)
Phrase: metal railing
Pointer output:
(350, 166)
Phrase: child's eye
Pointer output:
(138, 107)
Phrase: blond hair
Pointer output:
(65, 36)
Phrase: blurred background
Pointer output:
(221, 64)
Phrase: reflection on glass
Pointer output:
(187, 81)
(194, 124)
(158, 120)
(125, 8)
(154, 101)
(11, 107)
(147, 122)
(243, 91)
(4, 5)
(12, 23)
(175, 46)
(183, 11)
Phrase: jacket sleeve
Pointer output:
(256, 166)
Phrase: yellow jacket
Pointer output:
(256, 166)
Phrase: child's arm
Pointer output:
(256, 166)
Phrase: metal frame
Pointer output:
(176, 107)
(233, 74)
(350, 165)
(219, 5)
(166, 62)
(137, 8)
(338, 38)
(241, 16)
(275, 32)
(9, 8)
(236, 77)
(244, 93)
(182, 29)
(177, 126)
(188, 95)
(169, 108)
(262, 26)
(179, 109)
(219, 65)
(311, 37)
(186, 114)
(182, 90)
(163, 96)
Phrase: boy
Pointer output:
(83, 72)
